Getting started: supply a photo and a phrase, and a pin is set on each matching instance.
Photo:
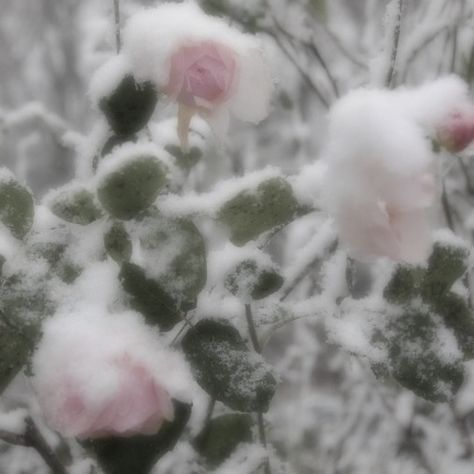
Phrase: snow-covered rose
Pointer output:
(104, 375)
(201, 62)
(456, 132)
(379, 183)
(443, 108)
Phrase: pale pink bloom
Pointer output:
(99, 375)
(379, 184)
(456, 132)
(198, 60)
(202, 75)
(137, 405)
(398, 227)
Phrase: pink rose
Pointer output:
(98, 374)
(380, 185)
(457, 131)
(202, 75)
(209, 68)
(136, 405)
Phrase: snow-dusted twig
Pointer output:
(389, 80)
(313, 253)
(118, 39)
(32, 438)
(35, 111)
(256, 345)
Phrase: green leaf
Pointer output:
(110, 145)
(416, 360)
(149, 298)
(76, 205)
(253, 212)
(16, 207)
(459, 318)
(132, 187)
(446, 264)
(249, 279)
(17, 341)
(222, 435)
(130, 106)
(185, 160)
(404, 284)
(138, 454)
(175, 255)
(117, 243)
(226, 369)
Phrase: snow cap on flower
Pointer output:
(201, 62)
(102, 375)
(379, 182)
(444, 109)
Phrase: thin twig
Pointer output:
(32, 438)
(118, 39)
(251, 328)
(256, 345)
(465, 172)
(389, 80)
(304, 272)
(446, 208)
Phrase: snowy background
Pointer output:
(330, 414)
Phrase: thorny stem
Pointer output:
(32, 438)
(118, 39)
(256, 345)
(389, 81)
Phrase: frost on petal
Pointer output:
(251, 101)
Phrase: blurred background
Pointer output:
(331, 415)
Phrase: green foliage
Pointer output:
(251, 213)
(249, 279)
(110, 145)
(428, 313)
(16, 207)
(185, 160)
(17, 340)
(222, 435)
(75, 205)
(415, 358)
(132, 188)
(149, 298)
(117, 243)
(175, 253)
(138, 454)
(130, 106)
(225, 368)
(404, 284)
(446, 264)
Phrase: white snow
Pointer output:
(107, 78)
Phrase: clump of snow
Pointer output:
(78, 342)
(380, 182)
(432, 102)
(108, 77)
(308, 183)
(128, 153)
(13, 421)
(210, 203)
